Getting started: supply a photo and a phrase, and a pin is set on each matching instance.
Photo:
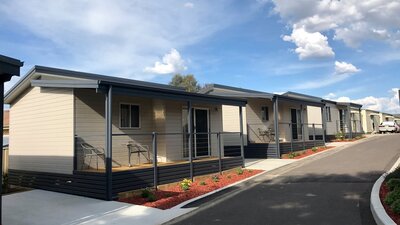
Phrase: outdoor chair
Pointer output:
(135, 147)
(89, 152)
(269, 133)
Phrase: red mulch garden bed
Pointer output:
(348, 140)
(384, 190)
(171, 195)
(307, 152)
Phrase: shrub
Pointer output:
(340, 136)
(395, 206)
(215, 178)
(394, 174)
(203, 183)
(185, 184)
(229, 177)
(392, 197)
(393, 183)
(250, 171)
(292, 155)
(151, 198)
(314, 149)
(145, 193)
(239, 171)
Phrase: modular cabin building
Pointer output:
(386, 117)
(370, 120)
(274, 124)
(343, 118)
(97, 136)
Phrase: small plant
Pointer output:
(392, 197)
(145, 193)
(250, 171)
(151, 198)
(395, 206)
(393, 184)
(203, 183)
(229, 177)
(215, 178)
(185, 184)
(340, 136)
(239, 171)
(293, 155)
(314, 149)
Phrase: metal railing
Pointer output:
(343, 126)
(155, 149)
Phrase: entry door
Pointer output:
(201, 128)
(295, 123)
(342, 120)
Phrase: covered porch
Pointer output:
(137, 138)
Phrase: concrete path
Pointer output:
(330, 188)
(38, 207)
(267, 164)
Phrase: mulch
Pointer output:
(307, 152)
(172, 195)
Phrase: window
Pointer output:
(129, 116)
(264, 113)
(328, 114)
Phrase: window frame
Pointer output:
(328, 114)
(130, 116)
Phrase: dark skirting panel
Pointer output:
(93, 184)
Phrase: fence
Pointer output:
(343, 127)
(165, 157)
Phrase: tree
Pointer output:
(188, 82)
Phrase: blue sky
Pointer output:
(341, 50)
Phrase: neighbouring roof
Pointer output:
(120, 86)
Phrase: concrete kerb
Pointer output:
(377, 209)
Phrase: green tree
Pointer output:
(188, 82)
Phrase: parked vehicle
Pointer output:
(389, 126)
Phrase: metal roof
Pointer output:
(235, 92)
(90, 80)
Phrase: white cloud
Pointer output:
(309, 45)
(116, 38)
(330, 96)
(351, 21)
(172, 62)
(388, 104)
(189, 5)
(345, 68)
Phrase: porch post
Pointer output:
(241, 135)
(291, 135)
(349, 122)
(313, 127)
(108, 144)
(323, 114)
(276, 124)
(155, 166)
(302, 126)
(219, 152)
(361, 127)
(190, 135)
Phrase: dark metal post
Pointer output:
(302, 127)
(313, 127)
(323, 123)
(9, 67)
(219, 152)
(291, 135)
(360, 119)
(108, 116)
(276, 124)
(241, 135)
(155, 165)
(190, 134)
(349, 122)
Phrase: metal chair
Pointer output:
(90, 151)
(134, 147)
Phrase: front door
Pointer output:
(296, 123)
(201, 129)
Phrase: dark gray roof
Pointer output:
(351, 104)
(121, 85)
(235, 92)
(9, 67)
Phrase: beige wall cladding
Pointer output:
(41, 131)
(370, 121)
(231, 123)
(331, 125)
(285, 117)
(255, 121)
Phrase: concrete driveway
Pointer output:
(38, 207)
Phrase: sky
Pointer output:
(344, 50)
